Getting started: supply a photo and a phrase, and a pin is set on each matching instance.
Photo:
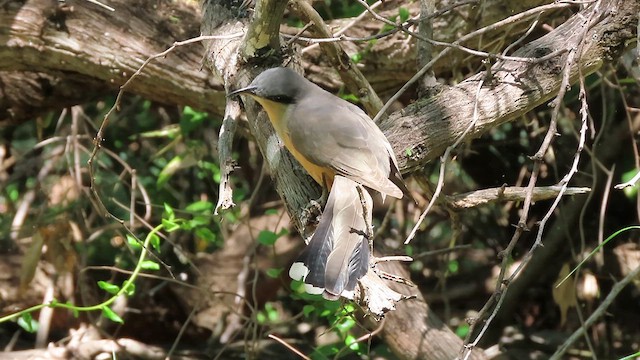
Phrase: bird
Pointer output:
(342, 149)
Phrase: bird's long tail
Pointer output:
(338, 254)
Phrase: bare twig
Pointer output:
(290, 347)
(501, 285)
(510, 20)
(443, 161)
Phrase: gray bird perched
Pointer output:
(341, 148)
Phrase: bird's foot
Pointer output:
(310, 216)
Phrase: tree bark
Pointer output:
(422, 131)
(54, 56)
(53, 52)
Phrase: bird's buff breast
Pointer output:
(277, 115)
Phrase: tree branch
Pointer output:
(423, 130)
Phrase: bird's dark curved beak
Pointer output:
(245, 90)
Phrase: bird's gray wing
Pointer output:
(334, 133)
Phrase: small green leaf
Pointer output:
(352, 342)
(169, 225)
(200, 206)
(283, 232)
(347, 324)
(408, 152)
(453, 266)
(267, 238)
(26, 322)
(129, 287)
(308, 309)
(169, 211)
(271, 212)
(154, 239)
(356, 58)
(108, 287)
(274, 273)
(200, 220)
(272, 313)
(111, 315)
(73, 308)
(462, 331)
(133, 242)
(150, 265)
(206, 234)
(404, 14)
(261, 318)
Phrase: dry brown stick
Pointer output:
(512, 193)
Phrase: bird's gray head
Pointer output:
(281, 85)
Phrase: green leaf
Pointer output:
(26, 322)
(352, 342)
(169, 211)
(111, 315)
(149, 265)
(347, 324)
(271, 212)
(274, 273)
(197, 221)
(129, 287)
(73, 308)
(133, 242)
(108, 287)
(356, 58)
(404, 14)
(267, 238)
(462, 331)
(272, 315)
(169, 225)
(308, 309)
(154, 240)
(283, 232)
(206, 234)
(453, 266)
(408, 152)
(630, 191)
(200, 206)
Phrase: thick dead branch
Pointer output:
(86, 49)
(422, 131)
(55, 56)
(486, 196)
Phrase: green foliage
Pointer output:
(630, 191)
(269, 238)
(108, 287)
(28, 323)
(268, 315)
(111, 315)
(338, 315)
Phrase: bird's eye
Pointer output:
(283, 99)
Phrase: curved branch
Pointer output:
(423, 130)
